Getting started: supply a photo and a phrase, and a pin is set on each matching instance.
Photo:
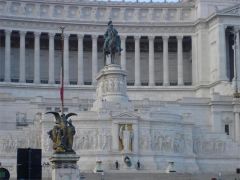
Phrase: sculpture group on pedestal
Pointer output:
(62, 133)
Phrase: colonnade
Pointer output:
(80, 80)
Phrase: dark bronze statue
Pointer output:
(112, 43)
(62, 133)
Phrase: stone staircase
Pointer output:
(154, 176)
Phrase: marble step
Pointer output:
(155, 176)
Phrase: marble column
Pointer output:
(180, 60)
(94, 59)
(137, 61)
(7, 73)
(237, 54)
(22, 64)
(165, 61)
(80, 60)
(194, 60)
(66, 58)
(37, 57)
(151, 61)
(123, 52)
(222, 69)
(51, 78)
(237, 127)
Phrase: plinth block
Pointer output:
(111, 92)
(64, 166)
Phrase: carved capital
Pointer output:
(165, 38)
(51, 35)
(179, 37)
(123, 37)
(80, 36)
(94, 36)
(22, 33)
(66, 36)
(8, 32)
(151, 37)
(37, 34)
(137, 37)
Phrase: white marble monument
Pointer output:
(169, 99)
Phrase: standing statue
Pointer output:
(112, 43)
(62, 133)
(126, 137)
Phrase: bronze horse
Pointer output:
(111, 43)
(111, 49)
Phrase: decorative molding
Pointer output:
(97, 11)
(233, 11)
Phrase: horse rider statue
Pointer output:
(112, 43)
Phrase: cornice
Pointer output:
(110, 3)
(97, 12)
(97, 29)
(233, 11)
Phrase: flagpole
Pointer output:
(62, 70)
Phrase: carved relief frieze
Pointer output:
(30, 9)
(111, 85)
(157, 14)
(209, 146)
(129, 12)
(58, 11)
(3, 6)
(186, 14)
(145, 140)
(73, 12)
(93, 139)
(114, 15)
(85, 12)
(171, 15)
(101, 14)
(15, 8)
(44, 11)
(11, 141)
(143, 14)
(163, 141)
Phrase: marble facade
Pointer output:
(174, 92)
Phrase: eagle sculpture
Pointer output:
(62, 133)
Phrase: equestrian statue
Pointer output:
(112, 43)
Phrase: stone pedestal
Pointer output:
(111, 93)
(98, 167)
(64, 166)
(170, 168)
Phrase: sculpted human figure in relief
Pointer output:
(126, 137)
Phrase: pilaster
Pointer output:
(137, 61)
(165, 61)
(7, 73)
